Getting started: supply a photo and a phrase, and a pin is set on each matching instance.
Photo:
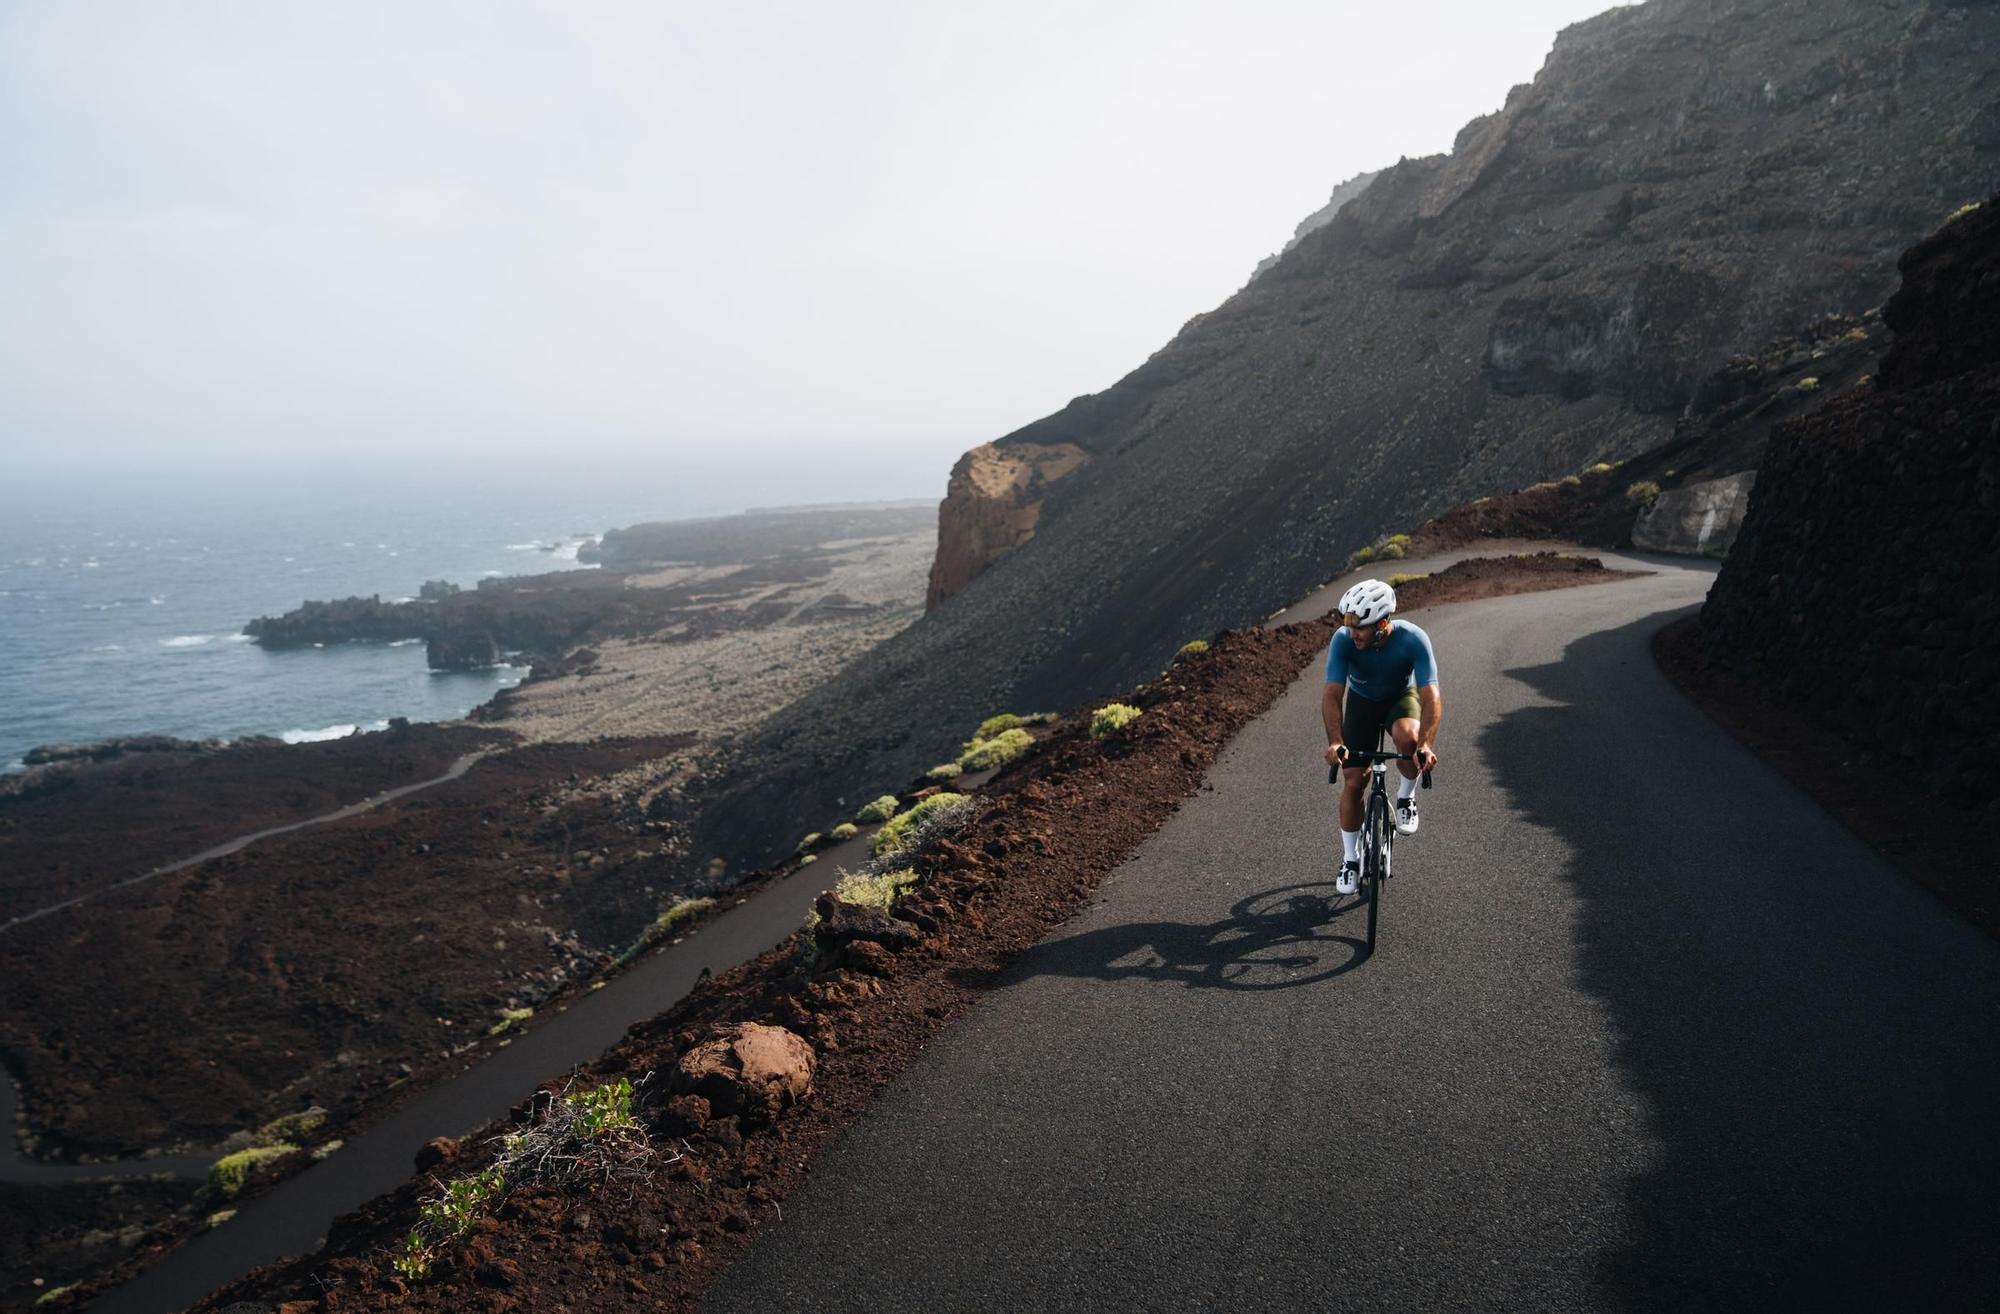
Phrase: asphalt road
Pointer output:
(1645, 1030)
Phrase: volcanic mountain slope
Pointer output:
(1682, 180)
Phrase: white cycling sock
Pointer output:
(1350, 840)
(1408, 787)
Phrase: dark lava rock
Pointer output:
(454, 651)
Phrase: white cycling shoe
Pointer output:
(1406, 815)
(1349, 879)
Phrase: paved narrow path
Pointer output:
(1646, 1030)
(454, 771)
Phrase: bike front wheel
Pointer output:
(1374, 855)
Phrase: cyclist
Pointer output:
(1380, 673)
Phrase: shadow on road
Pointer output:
(1276, 939)
(1813, 1049)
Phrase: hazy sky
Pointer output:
(885, 229)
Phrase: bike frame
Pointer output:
(1378, 833)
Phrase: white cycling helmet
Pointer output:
(1368, 601)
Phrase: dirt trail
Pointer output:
(453, 772)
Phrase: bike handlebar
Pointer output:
(1359, 757)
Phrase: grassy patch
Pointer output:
(1397, 581)
(1807, 384)
(1961, 212)
(1191, 648)
(231, 1173)
(875, 890)
(1001, 749)
(993, 725)
(898, 831)
(1642, 494)
(846, 830)
(1601, 468)
(509, 1019)
(881, 809)
(808, 842)
(1111, 717)
(944, 771)
(291, 1128)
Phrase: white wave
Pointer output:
(568, 551)
(318, 736)
(109, 647)
(522, 547)
(405, 598)
(403, 643)
(158, 599)
(491, 574)
(240, 638)
(187, 641)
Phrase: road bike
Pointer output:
(1378, 832)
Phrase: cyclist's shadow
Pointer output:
(1273, 940)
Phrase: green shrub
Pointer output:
(1391, 552)
(509, 1018)
(1808, 384)
(1112, 716)
(1961, 212)
(808, 860)
(1191, 648)
(1854, 335)
(605, 1108)
(997, 751)
(1364, 556)
(944, 771)
(993, 725)
(682, 911)
(291, 1128)
(1569, 481)
(880, 810)
(1601, 468)
(895, 831)
(1397, 541)
(1642, 494)
(54, 1294)
(846, 830)
(880, 890)
(231, 1173)
(1397, 581)
(808, 842)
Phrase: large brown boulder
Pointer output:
(753, 1070)
(990, 508)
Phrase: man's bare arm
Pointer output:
(1430, 711)
(1330, 704)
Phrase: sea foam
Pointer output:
(187, 641)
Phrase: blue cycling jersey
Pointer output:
(1385, 669)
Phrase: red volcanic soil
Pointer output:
(867, 1001)
(328, 966)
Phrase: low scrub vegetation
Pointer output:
(1642, 494)
(993, 725)
(228, 1175)
(1191, 648)
(509, 1019)
(909, 828)
(1397, 581)
(589, 1136)
(808, 842)
(880, 810)
(678, 915)
(875, 889)
(1111, 717)
(1002, 748)
(944, 771)
(846, 830)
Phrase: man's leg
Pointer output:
(1404, 731)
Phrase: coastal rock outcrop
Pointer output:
(990, 508)
(1865, 585)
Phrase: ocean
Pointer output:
(121, 608)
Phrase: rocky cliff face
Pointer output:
(1321, 217)
(990, 508)
(1683, 179)
(1866, 583)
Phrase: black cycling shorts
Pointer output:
(1365, 721)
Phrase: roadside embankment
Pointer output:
(760, 1067)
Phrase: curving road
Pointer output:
(1646, 1030)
